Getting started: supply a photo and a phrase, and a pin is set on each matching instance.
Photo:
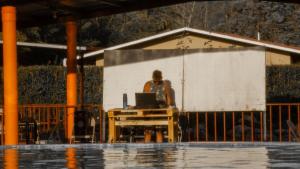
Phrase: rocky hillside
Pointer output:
(276, 21)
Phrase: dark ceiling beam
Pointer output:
(86, 12)
(59, 12)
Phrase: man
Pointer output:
(161, 88)
(163, 97)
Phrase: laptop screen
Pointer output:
(146, 100)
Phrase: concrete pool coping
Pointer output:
(152, 145)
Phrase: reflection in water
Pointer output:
(71, 158)
(152, 156)
(11, 160)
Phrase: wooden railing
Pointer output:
(1, 125)
(242, 126)
(49, 116)
(195, 126)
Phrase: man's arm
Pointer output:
(147, 87)
(170, 99)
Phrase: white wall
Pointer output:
(130, 79)
(225, 81)
(216, 80)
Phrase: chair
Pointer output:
(294, 130)
(87, 136)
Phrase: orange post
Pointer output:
(10, 75)
(71, 158)
(11, 159)
(71, 30)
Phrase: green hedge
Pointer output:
(283, 83)
(47, 85)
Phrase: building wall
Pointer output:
(190, 41)
(100, 62)
(277, 58)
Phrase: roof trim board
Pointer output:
(46, 45)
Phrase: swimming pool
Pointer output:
(183, 155)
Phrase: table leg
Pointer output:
(112, 129)
(171, 128)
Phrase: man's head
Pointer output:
(157, 76)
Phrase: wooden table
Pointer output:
(143, 117)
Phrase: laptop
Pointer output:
(146, 101)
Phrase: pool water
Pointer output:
(183, 155)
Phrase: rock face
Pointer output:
(276, 21)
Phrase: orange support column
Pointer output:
(11, 159)
(71, 158)
(71, 30)
(10, 75)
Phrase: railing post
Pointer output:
(298, 110)
(197, 126)
(215, 124)
(252, 126)
(265, 125)
(224, 126)
(243, 127)
(280, 124)
(289, 118)
(233, 127)
(261, 126)
(271, 124)
(206, 126)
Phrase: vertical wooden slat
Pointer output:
(189, 131)
(39, 119)
(65, 120)
(289, 118)
(100, 123)
(271, 124)
(215, 125)
(280, 124)
(243, 127)
(252, 126)
(233, 127)
(29, 113)
(298, 116)
(57, 116)
(197, 126)
(261, 126)
(48, 119)
(224, 125)
(206, 126)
